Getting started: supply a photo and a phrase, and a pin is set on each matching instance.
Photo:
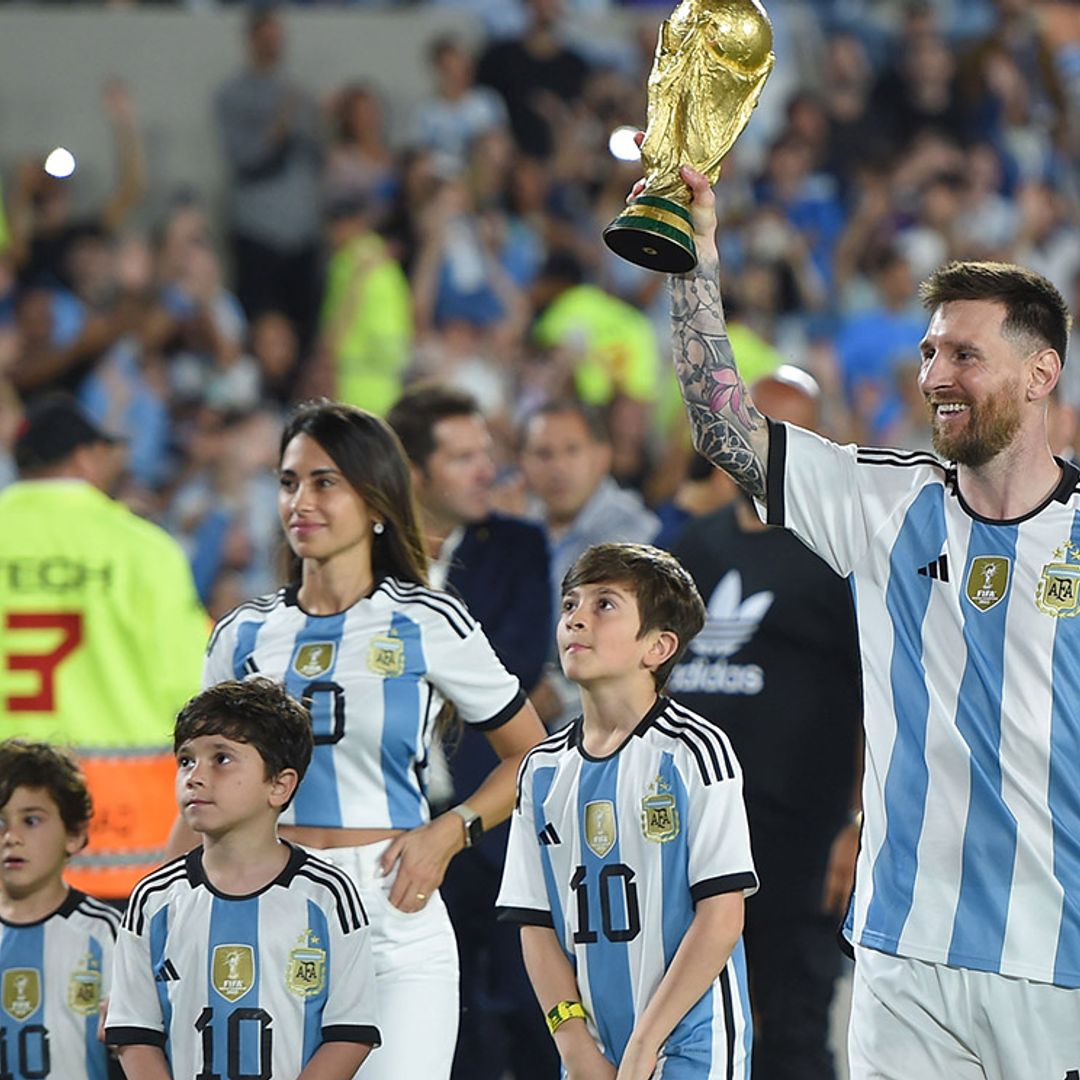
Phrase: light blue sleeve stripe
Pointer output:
(96, 1054)
(907, 597)
(318, 800)
(314, 1005)
(543, 778)
(401, 729)
(982, 907)
(159, 933)
(610, 985)
(24, 947)
(742, 981)
(1064, 796)
(678, 908)
(246, 636)
(236, 923)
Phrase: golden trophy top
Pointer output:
(712, 60)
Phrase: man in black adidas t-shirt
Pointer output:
(777, 667)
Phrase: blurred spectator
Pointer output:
(613, 344)
(270, 137)
(359, 164)
(367, 321)
(538, 77)
(872, 342)
(42, 222)
(458, 111)
(566, 461)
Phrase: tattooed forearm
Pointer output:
(727, 429)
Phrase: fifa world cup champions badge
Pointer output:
(712, 60)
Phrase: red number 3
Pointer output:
(70, 625)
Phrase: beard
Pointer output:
(990, 428)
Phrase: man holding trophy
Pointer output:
(965, 921)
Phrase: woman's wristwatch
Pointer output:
(474, 827)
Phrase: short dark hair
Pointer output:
(368, 453)
(667, 597)
(39, 765)
(593, 419)
(258, 711)
(1033, 305)
(419, 409)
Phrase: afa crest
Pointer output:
(386, 656)
(1058, 590)
(315, 658)
(987, 581)
(600, 831)
(21, 992)
(84, 987)
(232, 970)
(659, 816)
(305, 973)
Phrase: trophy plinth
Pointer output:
(654, 233)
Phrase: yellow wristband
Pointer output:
(565, 1010)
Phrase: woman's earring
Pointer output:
(378, 528)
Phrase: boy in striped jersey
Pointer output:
(629, 854)
(56, 943)
(247, 956)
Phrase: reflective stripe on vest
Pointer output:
(134, 810)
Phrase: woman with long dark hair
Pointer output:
(378, 657)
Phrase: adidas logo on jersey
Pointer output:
(167, 972)
(938, 569)
(548, 836)
(730, 621)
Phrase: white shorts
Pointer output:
(910, 1019)
(416, 973)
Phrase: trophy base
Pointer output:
(654, 233)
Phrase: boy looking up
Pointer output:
(247, 956)
(629, 854)
(56, 943)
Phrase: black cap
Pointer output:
(55, 426)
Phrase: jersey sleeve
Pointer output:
(523, 895)
(134, 1015)
(218, 662)
(835, 498)
(464, 668)
(720, 860)
(351, 1010)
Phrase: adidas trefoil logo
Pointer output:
(938, 568)
(730, 621)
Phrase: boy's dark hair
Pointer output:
(1033, 306)
(419, 409)
(38, 765)
(667, 597)
(257, 711)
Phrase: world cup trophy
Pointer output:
(712, 60)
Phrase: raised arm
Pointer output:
(727, 429)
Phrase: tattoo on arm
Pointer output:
(722, 415)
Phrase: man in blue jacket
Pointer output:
(500, 567)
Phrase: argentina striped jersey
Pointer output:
(374, 677)
(243, 986)
(971, 655)
(54, 973)
(613, 853)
